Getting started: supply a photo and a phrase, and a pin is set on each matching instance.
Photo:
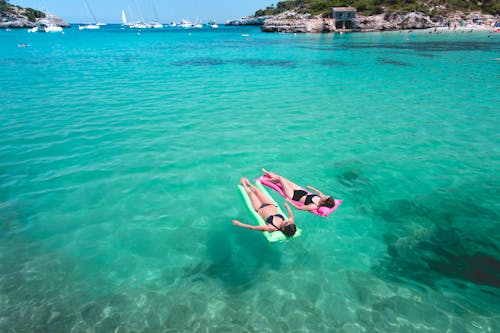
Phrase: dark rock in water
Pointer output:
(90, 311)
(478, 268)
(437, 237)
(349, 176)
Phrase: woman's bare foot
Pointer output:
(273, 178)
(246, 184)
(266, 173)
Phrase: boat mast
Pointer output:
(91, 11)
(155, 12)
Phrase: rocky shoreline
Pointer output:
(293, 22)
(17, 17)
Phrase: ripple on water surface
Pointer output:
(119, 165)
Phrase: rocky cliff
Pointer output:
(18, 17)
(294, 22)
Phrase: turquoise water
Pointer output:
(120, 154)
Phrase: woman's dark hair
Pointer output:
(289, 230)
(329, 202)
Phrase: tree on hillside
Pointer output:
(371, 7)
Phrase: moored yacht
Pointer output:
(186, 24)
(52, 28)
(89, 27)
(94, 26)
(155, 24)
(138, 25)
(46, 27)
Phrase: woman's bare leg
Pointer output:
(254, 198)
(287, 185)
(262, 197)
(257, 197)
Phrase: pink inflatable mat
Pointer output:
(322, 211)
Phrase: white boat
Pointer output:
(52, 28)
(124, 18)
(213, 24)
(172, 24)
(186, 24)
(197, 25)
(94, 26)
(156, 21)
(44, 26)
(89, 27)
(138, 25)
(155, 24)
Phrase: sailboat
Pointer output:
(133, 24)
(138, 24)
(197, 25)
(94, 26)
(124, 18)
(156, 23)
(186, 24)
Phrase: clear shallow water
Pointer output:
(120, 154)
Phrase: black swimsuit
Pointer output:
(270, 218)
(298, 194)
(264, 205)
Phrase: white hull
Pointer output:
(53, 28)
(186, 24)
(139, 25)
(156, 25)
(89, 27)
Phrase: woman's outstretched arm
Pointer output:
(254, 227)
(315, 190)
(290, 213)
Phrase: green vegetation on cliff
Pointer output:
(372, 7)
(5, 7)
(30, 13)
(33, 14)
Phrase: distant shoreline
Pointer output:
(293, 22)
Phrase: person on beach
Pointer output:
(294, 192)
(267, 210)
